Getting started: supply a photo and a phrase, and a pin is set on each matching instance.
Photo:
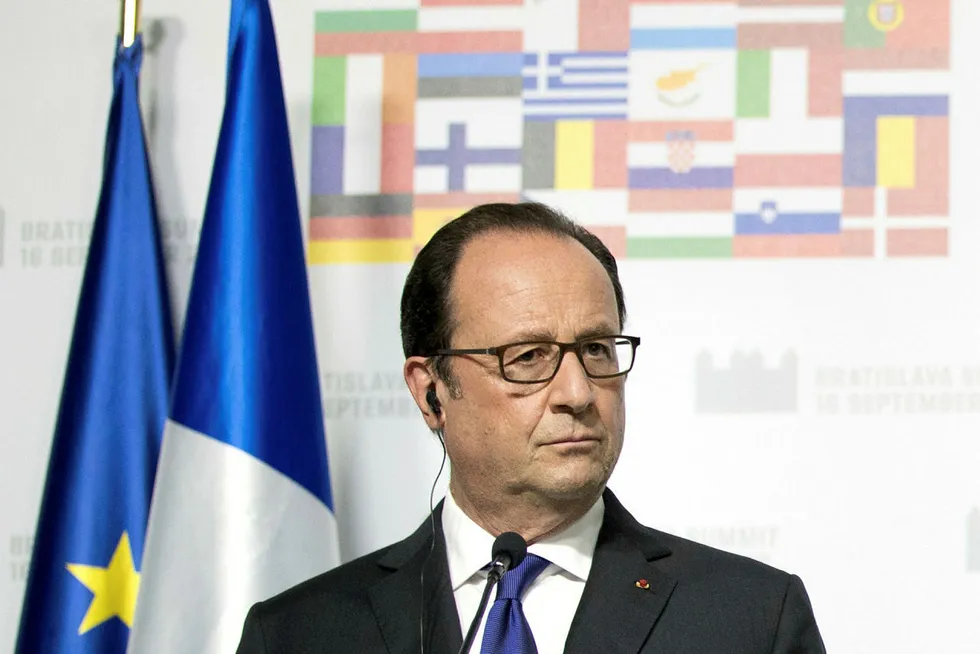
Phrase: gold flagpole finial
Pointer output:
(129, 21)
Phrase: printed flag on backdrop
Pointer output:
(575, 85)
(242, 507)
(678, 105)
(84, 576)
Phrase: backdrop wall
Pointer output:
(788, 185)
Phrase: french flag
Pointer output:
(242, 507)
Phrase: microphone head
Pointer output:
(513, 545)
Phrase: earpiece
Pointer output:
(430, 397)
(433, 401)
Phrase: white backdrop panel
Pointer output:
(857, 471)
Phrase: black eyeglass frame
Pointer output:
(574, 346)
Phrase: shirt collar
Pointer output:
(468, 546)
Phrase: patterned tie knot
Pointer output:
(507, 630)
(514, 582)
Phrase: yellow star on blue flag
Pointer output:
(114, 587)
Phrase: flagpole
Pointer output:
(129, 21)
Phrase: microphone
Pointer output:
(509, 549)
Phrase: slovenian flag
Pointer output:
(242, 507)
(84, 576)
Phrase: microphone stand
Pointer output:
(496, 572)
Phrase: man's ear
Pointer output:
(421, 382)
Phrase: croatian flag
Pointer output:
(241, 506)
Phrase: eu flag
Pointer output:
(242, 507)
(83, 580)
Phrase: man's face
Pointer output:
(554, 441)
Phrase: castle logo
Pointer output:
(746, 385)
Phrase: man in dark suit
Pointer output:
(511, 325)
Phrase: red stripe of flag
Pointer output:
(883, 59)
(603, 25)
(826, 77)
(664, 201)
(461, 42)
(614, 238)
(337, 44)
(918, 242)
(457, 200)
(930, 197)
(803, 245)
(790, 3)
(397, 158)
(857, 243)
(859, 202)
(765, 36)
(369, 227)
(344, 43)
(656, 131)
(926, 26)
(611, 138)
(807, 170)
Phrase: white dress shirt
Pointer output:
(550, 601)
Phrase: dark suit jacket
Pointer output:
(700, 601)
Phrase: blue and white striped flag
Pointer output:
(576, 85)
(242, 507)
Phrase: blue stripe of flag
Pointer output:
(788, 223)
(550, 118)
(595, 70)
(698, 177)
(898, 105)
(578, 100)
(494, 64)
(683, 39)
(556, 82)
(557, 58)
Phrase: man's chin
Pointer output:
(577, 487)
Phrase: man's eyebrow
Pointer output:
(533, 336)
(543, 335)
(596, 332)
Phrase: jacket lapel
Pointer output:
(617, 613)
(613, 616)
(398, 599)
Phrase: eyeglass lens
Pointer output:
(602, 357)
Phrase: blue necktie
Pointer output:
(507, 630)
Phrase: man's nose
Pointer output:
(571, 387)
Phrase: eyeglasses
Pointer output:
(533, 362)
